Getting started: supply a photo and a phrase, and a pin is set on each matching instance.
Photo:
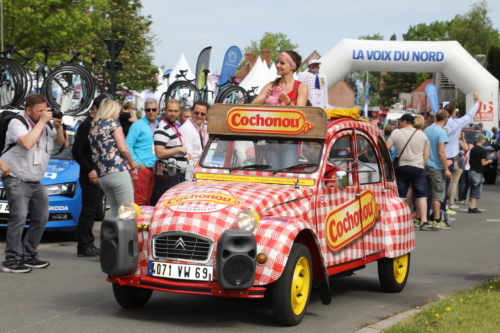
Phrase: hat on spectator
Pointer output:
(479, 136)
(408, 118)
(314, 62)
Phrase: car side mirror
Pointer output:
(341, 180)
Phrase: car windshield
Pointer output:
(65, 154)
(470, 137)
(237, 153)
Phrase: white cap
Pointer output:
(314, 62)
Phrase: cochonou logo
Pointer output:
(202, 202)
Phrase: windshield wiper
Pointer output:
(300, 165)
(254, 166)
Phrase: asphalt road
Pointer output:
(72, 295)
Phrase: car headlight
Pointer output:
(248, 220)
(66, 189)
(129, 211)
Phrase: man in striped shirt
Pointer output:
(168, 144)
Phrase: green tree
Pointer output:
(84, 25)
(435, 31)
(395, 83)
(474, 30)
(393, 37)
(493, 61)
(275, 42)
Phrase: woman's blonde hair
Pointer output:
(107, 110)
(418, 122)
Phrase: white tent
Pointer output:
(181, 65)
(273, 71)
(258, 77)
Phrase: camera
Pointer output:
(57, 114)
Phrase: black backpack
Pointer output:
(5, 118)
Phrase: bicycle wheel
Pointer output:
(186, 93)
(15, 83)
(69, 88)
(233, 95)
(162, 103)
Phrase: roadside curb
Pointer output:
(386, 323)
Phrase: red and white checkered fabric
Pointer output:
(299, 208)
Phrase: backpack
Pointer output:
(5, 118)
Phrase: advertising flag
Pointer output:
(231, 61)
(367, 92)
(203, 63)
(432, 94)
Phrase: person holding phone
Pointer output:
(33, 138)
(285, 90)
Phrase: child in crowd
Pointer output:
(477, 159)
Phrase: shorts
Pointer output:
(436, 183)
(476, 184)
(407, 176)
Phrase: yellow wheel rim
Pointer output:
(401, 268)
(301, 282)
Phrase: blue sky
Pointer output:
(189, 26)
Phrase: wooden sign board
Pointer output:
(275, 121)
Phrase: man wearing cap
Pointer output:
(412, 148)
(316, 83)
(477, 159)
(454, 127)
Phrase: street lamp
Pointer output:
(481, 58)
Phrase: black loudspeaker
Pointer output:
(236, 253)
(118, 246)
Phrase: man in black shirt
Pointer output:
(89, 183)
(477, 159)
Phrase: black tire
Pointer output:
(233, 95)
(393, 273)
(101, 206)
(186, 93)
(131, 297)
(288, 310)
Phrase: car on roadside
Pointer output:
(315, 200)
(65, 195)
(490, 171)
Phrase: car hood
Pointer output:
(61, 171)
(208, 208)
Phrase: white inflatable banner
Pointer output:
(449, 58)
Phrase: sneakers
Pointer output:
(474, 210)
(454, 207)
(428, 227)
(15, 267)
(450, 212)
(34, 262)
(417, 223)
(442, 225)
(463, 202)
(89, 252)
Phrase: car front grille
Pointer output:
(182, 246)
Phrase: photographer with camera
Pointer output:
(28, 146)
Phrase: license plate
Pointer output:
(4, 207)
(179, 271)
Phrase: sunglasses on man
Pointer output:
(197, 113)
(151, 110)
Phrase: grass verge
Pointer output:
(473, 310)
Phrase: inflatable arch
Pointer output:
(449, 58)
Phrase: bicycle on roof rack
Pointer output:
(182, 90)
(70, 87)
(232, 93)
(15, 80)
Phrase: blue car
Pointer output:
(65, 194)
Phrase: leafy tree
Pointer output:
(395, 83)
(436, 31)
(393, 37)
(493, 61)
(275, 42)
(84, 25)
(474, 30)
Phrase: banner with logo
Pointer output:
(203, 63)
(230, 64)
(432, 94)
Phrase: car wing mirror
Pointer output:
(341, 180)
